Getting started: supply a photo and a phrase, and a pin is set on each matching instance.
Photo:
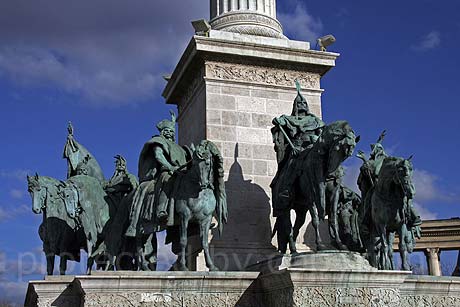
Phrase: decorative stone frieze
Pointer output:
(261, 75)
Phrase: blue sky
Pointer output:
(99, 64)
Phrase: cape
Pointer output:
(296, 124)
(148, 167)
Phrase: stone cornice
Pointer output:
(442, 234)
(245, 48)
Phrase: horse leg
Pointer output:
(63, 264)
(402, 233)
(333, 221)
(204, 232)
(49, 263)
(383, 247)
(151, 253)
(183, 243)
(283, 231)
(139, 253)
(391, 239)
(315, 221)
(300, 216)
(90, 261)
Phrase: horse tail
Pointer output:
(275, 228)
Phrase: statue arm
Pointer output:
(160, 157)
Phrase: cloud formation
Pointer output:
(18, 174)
(9, 213)
(299, 24)
(108, 52)
(429, 41)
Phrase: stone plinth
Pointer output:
(332, 260)
(228, 87)
(285, 288)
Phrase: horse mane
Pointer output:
(89, 188)
(388, 170)
(52, 206)
(336, 130)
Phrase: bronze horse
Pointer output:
(58, 231)
(201, 196)
(314, 192)
(389, 205)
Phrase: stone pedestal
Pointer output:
(228, 87)
(285, 288)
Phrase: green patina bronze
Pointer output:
(58, 231)
(388, 192)
(181, 189)
(309, 153)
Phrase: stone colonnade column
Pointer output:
(253, 17)
(433, 260)
(219, 7)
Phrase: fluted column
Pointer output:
(225, 6)
(234, 5)
(252, 17)
(434, 265)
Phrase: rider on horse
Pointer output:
(160, 158)
(293, 134)
(369, 175)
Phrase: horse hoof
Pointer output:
(321, 247)
(213, 268)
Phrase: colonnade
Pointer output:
(219, 7)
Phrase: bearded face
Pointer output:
(168, 134)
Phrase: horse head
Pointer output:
(38, 192)
(69, 194)
(404, 177)
(340, 140)
(202, 165)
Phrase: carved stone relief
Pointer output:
(256, 74)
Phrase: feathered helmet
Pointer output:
(166, 123)
(377, 148)
(299, 99)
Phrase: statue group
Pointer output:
(181, 189)
(309, 179)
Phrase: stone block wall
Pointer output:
(241, 102)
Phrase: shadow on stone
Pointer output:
(246, 238)
(269, 290)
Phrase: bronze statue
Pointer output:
(199, 194)
(389, 206)
(85, 201)
(79, 157)
(58, 231)
(309, 154)
(153, 208)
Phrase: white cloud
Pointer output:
(9, 213)
(18, 174)
(300, 24)
(429, 41)
(13, 292)
(17, 194)
(428, 189)
(424, 212)
(108, 52)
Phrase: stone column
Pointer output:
(255, 17)
(456, 272)
(433, 260)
